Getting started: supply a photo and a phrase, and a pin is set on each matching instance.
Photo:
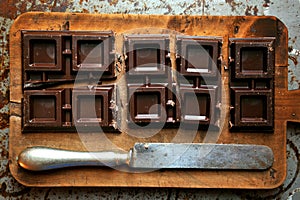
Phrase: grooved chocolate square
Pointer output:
(198, 55)
(252, 57)
(199, 58)
(198, 105)
(41, 51)
(147, 103)
(147, 54)
(43, 108)
(252, 109)
(87, 112)
(200, 109)
(89, 52)
(91, 107)
(253, 60)
(147, 57)
(93, 52)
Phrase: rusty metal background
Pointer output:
(287, 11)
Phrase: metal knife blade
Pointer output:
(201, 156)
(154, 156)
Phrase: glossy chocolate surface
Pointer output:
(155, 93)
(251, 83)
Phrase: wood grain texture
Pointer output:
(287, 106)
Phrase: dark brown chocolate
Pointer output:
(198, 62)
(198, 105)
(42, 52)
(62, 109)
(147, 54)
(43, 108)
(252, 58)
(147, 103)
(198, 55)
(251, 84)
(92, 106)
(59, 55)
(93, 52)
(252, 109)
(52, 58)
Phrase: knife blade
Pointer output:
(154, 156)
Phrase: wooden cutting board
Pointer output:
(232, 34)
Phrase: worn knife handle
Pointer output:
(44, 158)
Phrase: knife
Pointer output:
(154, 156)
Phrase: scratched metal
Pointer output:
(287, 11)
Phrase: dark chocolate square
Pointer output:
(86, 112)
(253, 60)
(91, 107)
(43, 108)
(146, 103)
(252, 108)
(198, 105)
(41, 51)
(252, 57)
(147, 54)
(199, 101)
(198, 56)
(94, 52)
(147, 57)
(90, 52)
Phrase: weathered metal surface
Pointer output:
(201, 156)
(287, 11)
(154, 156)
(45, 158)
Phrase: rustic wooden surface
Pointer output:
(286, 108)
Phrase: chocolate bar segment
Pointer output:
(252, 57)
(43, 108)
(147, 103)
(41, 51)
(252, 84)
(147, 54)
(253, 109)
(91, 107)
(198, 105)
(94, 52)
(198, 55)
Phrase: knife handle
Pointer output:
(44, 158)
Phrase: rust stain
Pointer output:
(233, 4)
(12, 8)
(112, 2)
(169, 9)
(267, 3)
(255, 10)
(229, 1)
(4, 119)
(294, 59)
(81, 1)
(4, 72)
(4, 99)
(85, 10)
(249, 10)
